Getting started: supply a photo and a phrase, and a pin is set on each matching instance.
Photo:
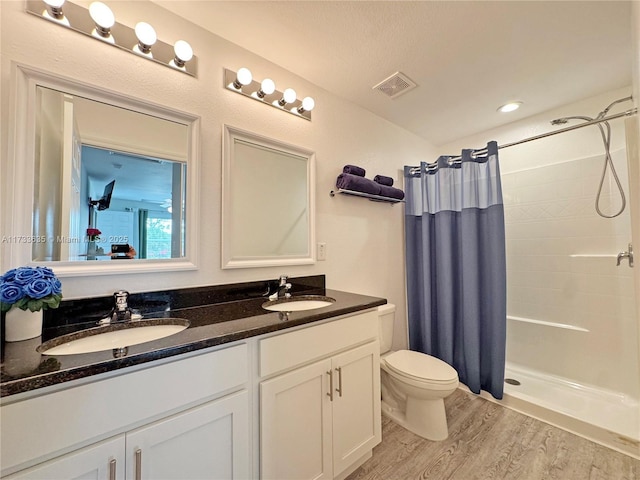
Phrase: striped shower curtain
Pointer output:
(456, 266)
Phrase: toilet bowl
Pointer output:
(414, 385)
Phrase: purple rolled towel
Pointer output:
(354, 170)
(382, 180)
(348, 181)
(391, 192)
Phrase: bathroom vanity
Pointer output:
(242, 393)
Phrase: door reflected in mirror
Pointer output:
(110, 183)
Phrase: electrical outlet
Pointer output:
(322, 251)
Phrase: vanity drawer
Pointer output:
(288, 350)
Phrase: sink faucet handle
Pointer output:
(283, 280)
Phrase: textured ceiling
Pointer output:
(467, 58)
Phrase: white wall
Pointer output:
(561, 264)
(365, 246)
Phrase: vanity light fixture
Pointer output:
(104, 20)
(98, 21)
(242, 82)
(146, 36)
(509, 107)
(183, 53)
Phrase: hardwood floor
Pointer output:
(490, 442)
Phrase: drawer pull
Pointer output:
(339, 389)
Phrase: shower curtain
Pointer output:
(456, 266)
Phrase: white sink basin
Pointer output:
(298, 304)
(115, 336)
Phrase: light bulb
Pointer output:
(289, 95)
(54, 10)
(146, 33)
(183, 52)
(102, 15)
(146, 37)
(268, 86)
(307, 105)
(243, 77)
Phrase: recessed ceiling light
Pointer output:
(509, 107)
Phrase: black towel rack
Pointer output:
(373, 198)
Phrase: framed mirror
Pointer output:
(112, 182)
(267, 202)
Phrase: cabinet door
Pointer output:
(356, 406)
(102, 461)
(295, 421)
(207, 442)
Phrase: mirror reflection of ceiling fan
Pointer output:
(165, 204)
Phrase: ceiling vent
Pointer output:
(395, 85)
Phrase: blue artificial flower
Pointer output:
(10, 293)
(25, 275)
(9, 275)
(32, 288)
(56, 286)
(38, 289)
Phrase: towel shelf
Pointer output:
(373, 198)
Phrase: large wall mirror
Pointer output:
(113, 180)
(267, 202)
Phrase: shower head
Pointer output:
(559, 121)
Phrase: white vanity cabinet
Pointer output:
(206, 442)
(312, 392)
(102, 461)
(320, 419)
(187, 419)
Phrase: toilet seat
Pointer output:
(422, 368)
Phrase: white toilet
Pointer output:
(414, 385)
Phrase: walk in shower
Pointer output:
(572, 324)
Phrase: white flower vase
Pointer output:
(22, 325)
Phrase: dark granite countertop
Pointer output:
(24, 369)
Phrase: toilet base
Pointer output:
(425, 418)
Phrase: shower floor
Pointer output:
(611, 410)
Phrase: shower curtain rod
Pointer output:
(627, 113)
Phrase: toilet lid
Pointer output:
(421, 366)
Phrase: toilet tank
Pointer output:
(386, 316)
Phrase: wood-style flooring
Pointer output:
(490, 442)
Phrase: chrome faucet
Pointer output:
(284, 288)
(121, 312)
(628, 255)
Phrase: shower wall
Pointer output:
(572, 312)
